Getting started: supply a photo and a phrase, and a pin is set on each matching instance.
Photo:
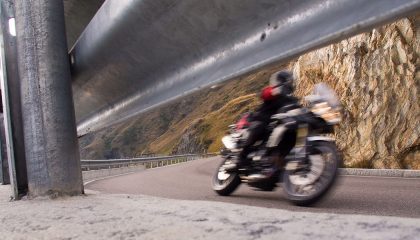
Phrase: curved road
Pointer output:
(191, 181)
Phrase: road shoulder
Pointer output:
(107, 216)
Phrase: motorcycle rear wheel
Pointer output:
(305, 187)
(225, 183)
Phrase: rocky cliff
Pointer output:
(375, 75)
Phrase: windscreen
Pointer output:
(327, 94)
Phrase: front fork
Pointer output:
(298, 155)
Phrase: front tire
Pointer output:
(224, 183)
(305, 186)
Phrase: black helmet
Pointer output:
(283, 80)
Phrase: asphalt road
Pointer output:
(192, 181)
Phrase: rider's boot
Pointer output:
(267, 171)
(241, 161)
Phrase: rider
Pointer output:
(277, 95)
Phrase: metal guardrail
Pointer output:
(148, 162)
(399, 173)
(135, 55)
(160, 161)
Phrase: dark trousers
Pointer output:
(258, 131)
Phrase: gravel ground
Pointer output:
(106, 216)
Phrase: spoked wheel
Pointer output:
(308, 183)
(225, 182)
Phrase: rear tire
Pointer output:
(224, 183)
(302, 194)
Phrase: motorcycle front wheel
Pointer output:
(225, 182)
(307, 184)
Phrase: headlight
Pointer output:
(329, 114)
(332, 117)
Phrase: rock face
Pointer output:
(189, 141)
(376, 76)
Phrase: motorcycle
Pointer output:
(308, 171)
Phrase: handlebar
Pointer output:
(291, 113)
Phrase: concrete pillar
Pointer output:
(51, 145)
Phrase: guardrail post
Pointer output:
(11, 104)
(4, 169)
(51, 145)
